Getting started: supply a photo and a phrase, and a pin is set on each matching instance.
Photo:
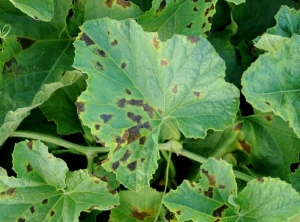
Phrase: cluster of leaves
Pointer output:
(153, 93)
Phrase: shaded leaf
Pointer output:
(46, 190)
(137, 206)
(169, 17)
(147, 86)
(295, 179)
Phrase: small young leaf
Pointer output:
(137, 206)
(147, 85)
(46, 190)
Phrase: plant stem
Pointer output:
(172, 167)
(60, 142)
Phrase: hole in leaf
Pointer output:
(189, 25)
(25, 43)
(218, 211)
(161, 6)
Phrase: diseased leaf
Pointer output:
(207, 200)
(137, 206)
(272, 83)
(295, 179)
(215, 198)
(61, 107)
(108, 177)
(169, 17)
(146, 86)
(272, 145)
(37, 9)
(46, 190)
(114, 9)
(31, 66)
(61, 11)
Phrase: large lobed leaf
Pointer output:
(46, 191)
(214, 198)
(146, 83)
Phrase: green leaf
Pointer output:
(61, 11)
(114, 9)
(215, 198)
(137, 206)
(146, 86)
(2, 172)
(272, 145)
(168, 17)
(208, 199)
(236, 2)
(295, 179)
(37, 9)
(108, 177)
(271, 83)
(60, 107)
(46, 190)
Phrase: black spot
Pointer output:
(193, 39)
(196, 94)
(189, 25)
(218, 212)
(178, 212)
(99, 66)
(105, 117)
(25, 43)
(134, 118)
(261, 180)
(206, 33)
(29, 168)
(101, 53)
(32, 210)
(132, 166)
(114, 43)
(207, 0)
(268, 118)
(125, 156)
(161, 6)
(146, 125)
(45, 201)
(29, 144)
(115, 165)
(267, 103)
(142, 140)
(148, 109)
(211, 178)
(142, 160)
(128, 91)
(123, 65)
(209, 19)
(135, 102)
(86, 39)
(194, 0)
(10, 65)
(195, 9)
(97, 126)
(121, 103)
(10, 191)
(21, 220)
(221, 187)
(212, 7)
(206, 12)
(80, 107)
(204, 24)
(132, 134)
(209, 192)
(52, 213)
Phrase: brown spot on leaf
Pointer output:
(193, 39)
(189, 25)
(135, 102)
(128, 91)
(174, 90)
(99, 66)
(204, 24)
(101, 52)
(192, 183)
(92, 208)
(134, 118)
(195, 9)
(268, 118)
(218, 211)
(161, 6)
(212, 7)
(29, 168)
(52, 213)
(121, 103)
(209, 19)
(115, 165)
(209, 192)
(160, 111)
(123, 3)
(142, 160)
(125, 156)
(32, 210)
(245, 146)
(87, 39)
(178, 212)
(105, 117)
(221, 187)
(9, 66)
(21, 219)
(123, 65)
(29, 144)
(9, 192)
(142, 140)
(114, 43)
(163, 62)
(206, 12)
(206, 33)
(25, 43)
(156, 43)
(196, 94)
(261, 180)
(211, 178)
(45, 201)
(138, 215)
(148, 109)
(109, 3)
(238, 127)
(132, 134)
(132, 166)
(217, 220)
(113, 192)
(97, 126)
(80, 107)
(104, 178)
(268, 103)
